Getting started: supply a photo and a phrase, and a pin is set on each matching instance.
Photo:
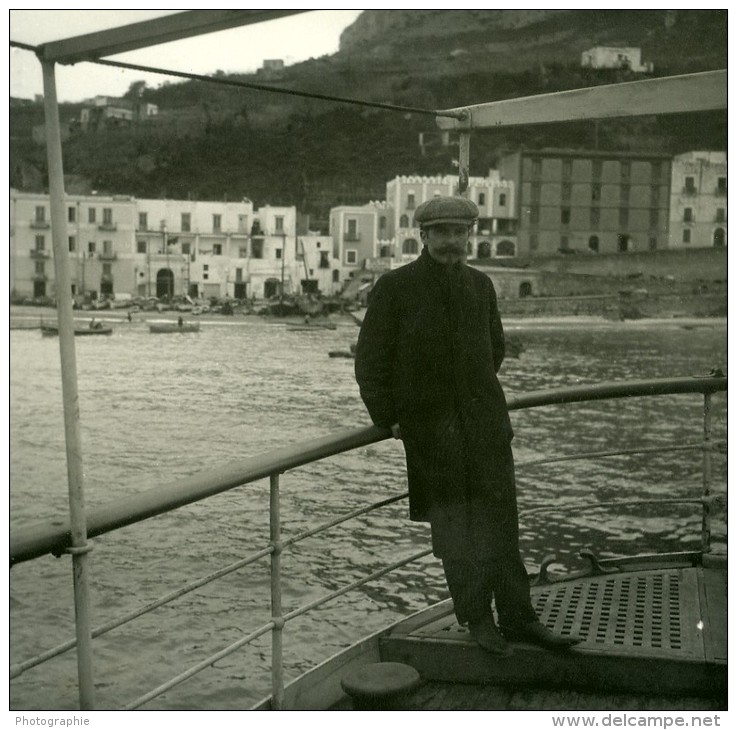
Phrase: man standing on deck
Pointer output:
(427, 359)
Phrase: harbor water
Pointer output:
(155, 408)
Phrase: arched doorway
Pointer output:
(594, 244)
(720, 238)
(106, 287)
(271, 288)
(525, 289)
(505, 248)
(484, 250)
(164, 284)
(409, 246)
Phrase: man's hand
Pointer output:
(396, 432)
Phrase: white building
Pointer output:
(100, 234)
(615, 57)
(698, 204)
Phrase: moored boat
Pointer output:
(159, 328)
(51, 330)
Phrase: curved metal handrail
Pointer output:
(32, 541)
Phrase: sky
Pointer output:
(292, 39)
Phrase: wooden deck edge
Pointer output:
(449, 661)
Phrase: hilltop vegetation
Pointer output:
(214, 142)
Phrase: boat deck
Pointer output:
(653, 639)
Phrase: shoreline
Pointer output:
(22, 317)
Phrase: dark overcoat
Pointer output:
(427, 358)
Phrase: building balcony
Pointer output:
(352, 237)
(40, 277)
(688, 191)
(40, 253)
(40, 224)
(107, 227)
(107, 256)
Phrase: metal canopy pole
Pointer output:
(75, 476)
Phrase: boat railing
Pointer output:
(31, 542)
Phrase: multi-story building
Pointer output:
(100, 238)
(495, 234)
(578, 201)
(355, 231)
(615, 57)
(318, 268)
(698, 202)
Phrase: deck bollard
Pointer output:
(380, 686)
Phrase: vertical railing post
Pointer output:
(75, 473)
(464, 160)
(706, 477)
(277, 669)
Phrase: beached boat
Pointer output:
(52, 330)
(654, 625)
(165, 328)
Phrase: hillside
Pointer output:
(215, 142)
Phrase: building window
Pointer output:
(351, 256)
(409, 246)
(40, 243)
(537, 166)
(71, 214)
(533, 242)
(217, 249)
(594, 244)
(40, 214)
(242, 253)
(404, 222)
(72, 243)
(216, 222)
(564, 243)
(594, 217)
(565, 216)
(40, 268)
(143, 221)
(535, 193)
(565, 192)
(567, 168)
(596, 191)
(688, 215)
(324, 260)
(205, 271)
(624, 217)
(625, 170)
(141, 246)
(410, 201)
(186, 222)
(688, 186)
(482, 199)
(352, 232)
(107, 270)
(92, 215)
(107, 216)
(279, 224)
(721, 186)
(534, 215)
(186, 248)
(623, 243)
(91, 247)
(382, 223)
(652, 243)
(720, 215)
(686, 235)
(277, 253)
(502, 199)
(107, 247)
(257, 248)
(624, 193)
(596, 168)
(654, 217)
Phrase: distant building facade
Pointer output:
(698, 206)
(620, 57)
(598, 202)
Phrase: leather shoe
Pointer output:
(485, 633)
(537, 633)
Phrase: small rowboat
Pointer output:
(51, 330)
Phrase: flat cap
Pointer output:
(449, 209)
